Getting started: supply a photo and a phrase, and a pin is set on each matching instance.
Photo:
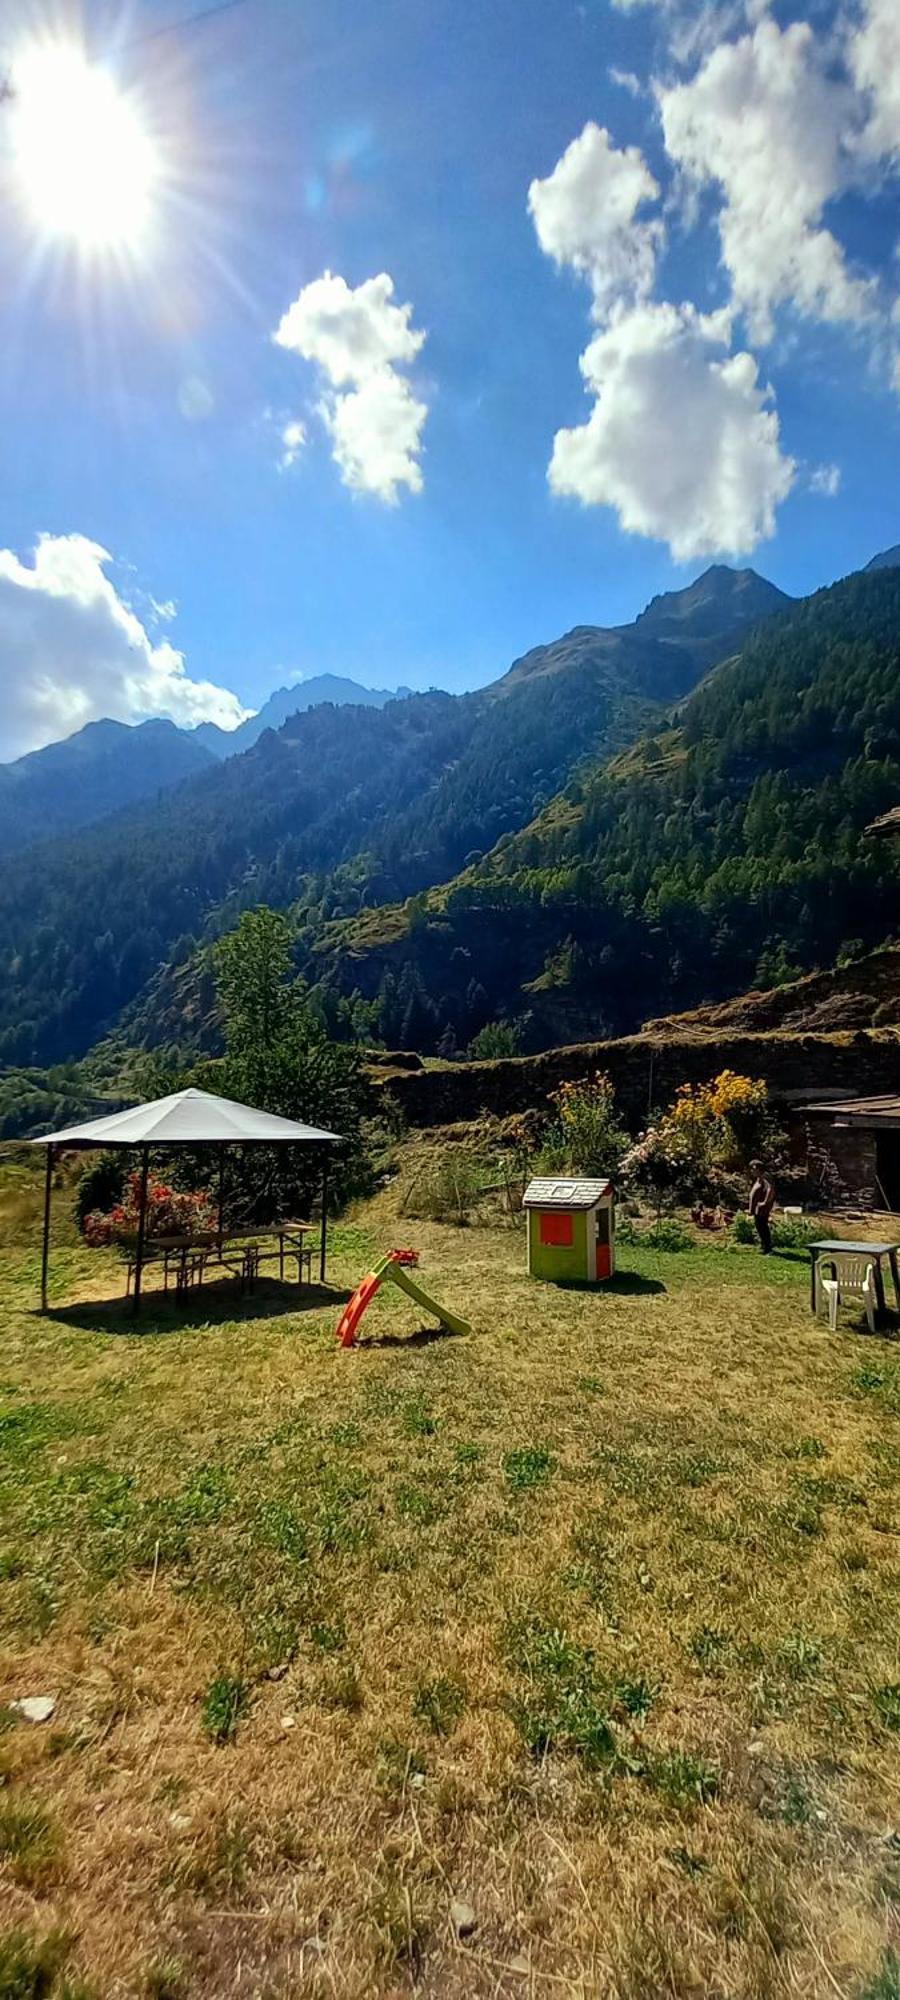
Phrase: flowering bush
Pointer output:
(715, 1125)
(587, 1137)
(169, 1213)
(657, 1162)
(707, 1133)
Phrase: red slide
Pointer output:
(355, 1307)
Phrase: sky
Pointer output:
(424, 330)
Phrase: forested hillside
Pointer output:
(341, 809)
(724, 850)
(104, 766)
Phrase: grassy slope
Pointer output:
(685, 1475)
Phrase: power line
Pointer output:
(190, 21)
(7, 88)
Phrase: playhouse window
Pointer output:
(556, 1229)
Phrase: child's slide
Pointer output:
(355, 1307)
(395, 1268)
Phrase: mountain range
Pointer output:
(102, 767)
(726, 848)
(288, 701)
(107, 765)
(590, 839)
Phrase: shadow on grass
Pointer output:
(423, 1337)
(627, 1282)
(211, 1306)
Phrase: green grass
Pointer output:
(588, 1619)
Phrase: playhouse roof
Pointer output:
(550, 1192)
(189, 1117)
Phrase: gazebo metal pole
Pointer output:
(324, 1234)
(142, 1230)
(45, 1255)
(221, 1197)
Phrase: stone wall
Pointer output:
(646, 1071)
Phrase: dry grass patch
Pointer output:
(583, 1627)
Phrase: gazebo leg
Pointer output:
(45, 1254)
(324, 1235)
(142, 1231)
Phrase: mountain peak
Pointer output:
(888, 559)
(286, 702)
(670, 645)
(718, 597)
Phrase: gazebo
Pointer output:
(188, 1118)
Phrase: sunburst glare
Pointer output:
(86, 166)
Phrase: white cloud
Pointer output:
(376, 433)
(586, 214)
(874, 58)
(767, 121)
(351, 334)
(359, 339)
(825, 479)
(293, 439)
(682, 440)
(73, 651)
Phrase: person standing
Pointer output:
(761, 1204)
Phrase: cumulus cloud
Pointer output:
(359, 339)
(376, 434)
(587, 215)
(73, 651)
(874, 57)
(682, 439)
(766, 120)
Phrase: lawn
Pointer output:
(557, 1660)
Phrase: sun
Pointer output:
(86, 166)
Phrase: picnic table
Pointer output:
(285, 1240)
(832, 1248)
(241, 1253)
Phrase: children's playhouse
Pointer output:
(571, 1229)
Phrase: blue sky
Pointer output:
(143, 397)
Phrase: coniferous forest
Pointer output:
(583, 844)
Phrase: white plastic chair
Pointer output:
(855, 1280)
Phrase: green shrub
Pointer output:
(795, 1232)
(494, 1040)
(449, 1188)
(665, 1234)
(587, 1136)
(670, 1235)
(789, 1232)
(101, 1185)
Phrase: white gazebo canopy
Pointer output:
(189, 1118)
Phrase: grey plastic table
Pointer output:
(831, 1248)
